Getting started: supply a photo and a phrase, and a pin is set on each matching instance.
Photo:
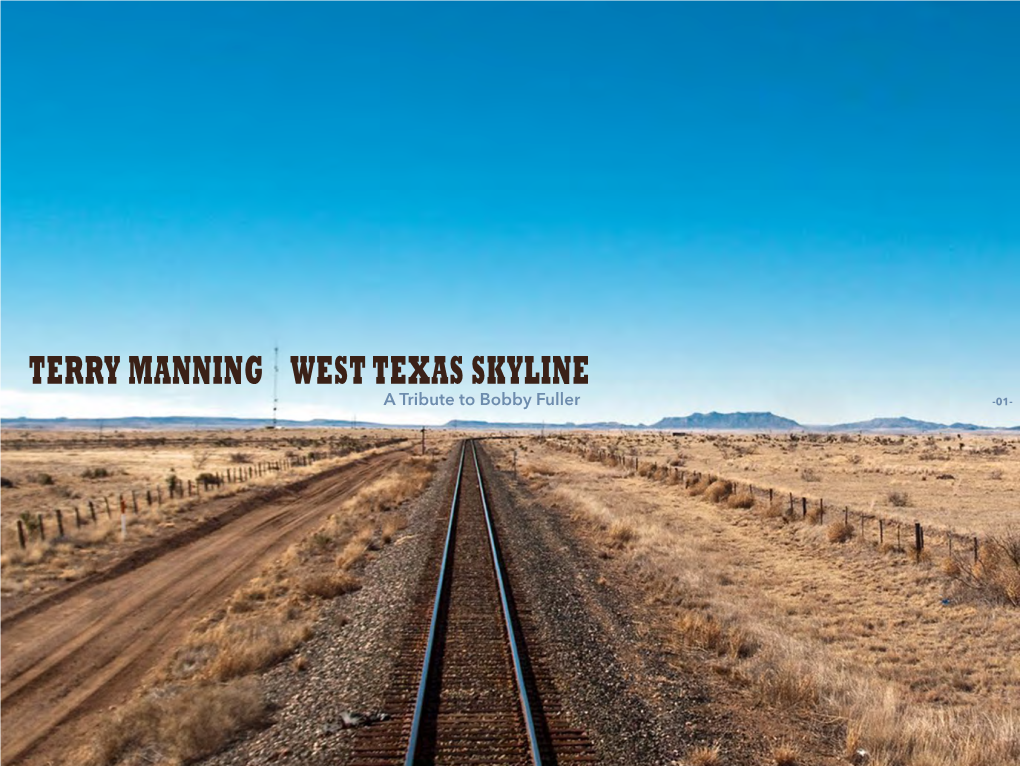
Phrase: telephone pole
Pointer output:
(276, 374)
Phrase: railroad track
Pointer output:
(465, 689)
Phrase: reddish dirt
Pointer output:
(70, 658)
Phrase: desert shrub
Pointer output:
(45, 480)
(809, 474)
(996, 574)
(899, 499)
(706, 632)
(329, 585)
(6, 483)
(996, 475)
(241, 457)
(784, 755)
(718, 491)
(699, 486)
(742, 500)
(840, 532)
(30, 522)
(705, 756)
(183, 725)
(172, 482)
(208, 478)
(95, 473)
(621, 533)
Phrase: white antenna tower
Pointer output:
(276, 372)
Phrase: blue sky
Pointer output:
(811, 209)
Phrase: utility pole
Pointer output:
(423, 440)
(276, 374)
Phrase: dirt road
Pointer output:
(67, 663)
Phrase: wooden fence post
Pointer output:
(107, 500)
(134, 502)
(881, 532)
(60, 523)
(42, 526)
(975, 550)
(92, 511)
(159, 495)
(918, 540)
(77, 518)
(21, 534)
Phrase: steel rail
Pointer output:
(529, 721)
(419, 705)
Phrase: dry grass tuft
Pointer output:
(704, 631)
(329, 585)
(621, 533)
(241, 647)
(784, 755)
(718, 491)
(742, 500)
(995, 576)
(705, 756)
(698, 487)
(181, 726)
(840, 532)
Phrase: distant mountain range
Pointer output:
(712, 421)
(174, 422)
(730, 421)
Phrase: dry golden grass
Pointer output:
(207, 692)
(839, 532)
(924, 477)
(741, 500)
(67, 469)
(785, 755)
(329, 585)
(918, 671)
(179, 725)
(705, 756)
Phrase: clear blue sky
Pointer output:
(813, 209)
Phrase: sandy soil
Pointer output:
(65, 663)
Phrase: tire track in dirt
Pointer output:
(69, 660)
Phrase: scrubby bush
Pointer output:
(840, 532)
(95, 473)
(6, 483)
(742, 500)
(718, 491)
(899, 499)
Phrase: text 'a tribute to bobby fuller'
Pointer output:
(500, 400)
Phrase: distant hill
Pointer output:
(172, 423)
(901, 424)
(731, 421)
(712, 421)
